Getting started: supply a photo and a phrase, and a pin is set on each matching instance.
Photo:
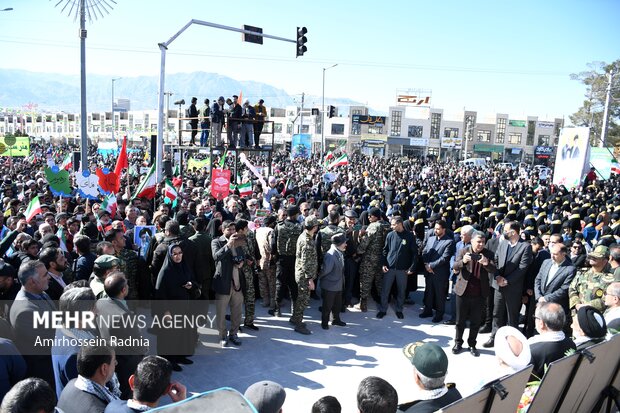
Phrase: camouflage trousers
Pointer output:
(267, 285)
(370, 271)
(303, 298)
(249, 295)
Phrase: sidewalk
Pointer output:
(334, 361)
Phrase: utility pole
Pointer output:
(167, 94)
(610, 76)
(301, 114)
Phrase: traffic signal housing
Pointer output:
(331, 111)
(287, 146)
(301, 41)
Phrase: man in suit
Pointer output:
(228, 281)
(474, 264)
(553, 280)
(32, 298)
(113, 308)
(436, 257)
(512, 259)
(88, 393)
(56, 263)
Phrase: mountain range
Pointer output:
(56, 92)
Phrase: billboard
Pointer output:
(301, 146)
(571, 156)
(369, 120)
(543, 152)
(456, 143)
(602, 159)
(17, 146)
(414, 100)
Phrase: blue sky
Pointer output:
(490, 56)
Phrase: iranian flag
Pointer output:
(170, 191)
(341, 161)
(245, 189)
(34, 208)
(66, 163)
(615, 168)
(109, 204)
(146, 189)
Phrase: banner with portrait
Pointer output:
(571, 156)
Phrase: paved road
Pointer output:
(334, 361)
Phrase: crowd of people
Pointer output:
(501, 251)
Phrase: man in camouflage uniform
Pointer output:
(371, 250)
(332, 228)
(588, 288)
(284, 243)
(128, 261)
(249, 251)
(306, 268)
(267, 275)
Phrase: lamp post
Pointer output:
(113, 80)
(323, 112)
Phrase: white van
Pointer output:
(472, 162)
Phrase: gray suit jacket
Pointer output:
(557, 290)
(332, 274)
(112, 309)
(513, 268)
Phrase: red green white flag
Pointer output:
(34, 208)
(146, 189)
(66, 163)
(110, 204)
(170, 191)
(341, 161)
(245, 189)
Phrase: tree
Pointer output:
(590, 114)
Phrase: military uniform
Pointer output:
(128, 265)
(267, 275)
(589, 288)
(306, 267)
(249, 250)
(284, 241)
(371, 250)
(326, 236)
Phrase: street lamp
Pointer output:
(323, 112)
(113, 80)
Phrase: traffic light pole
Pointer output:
(323, 114)
(162, 73)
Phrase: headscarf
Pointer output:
(172, 277)
(214, 228)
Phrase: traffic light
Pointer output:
(301, 41)
(331, 111)
(287, 146)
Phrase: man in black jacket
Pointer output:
(400, 254)
(228, 281)
(192, 113)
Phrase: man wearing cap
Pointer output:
(306, 268)
(430, 367)
(588, 288)
(284, 244)
(267, 275)
(261, 115)
(332, 281)
(104, 265)
(371, 249)
(399, 259)
(266, 396)
(217, 121)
